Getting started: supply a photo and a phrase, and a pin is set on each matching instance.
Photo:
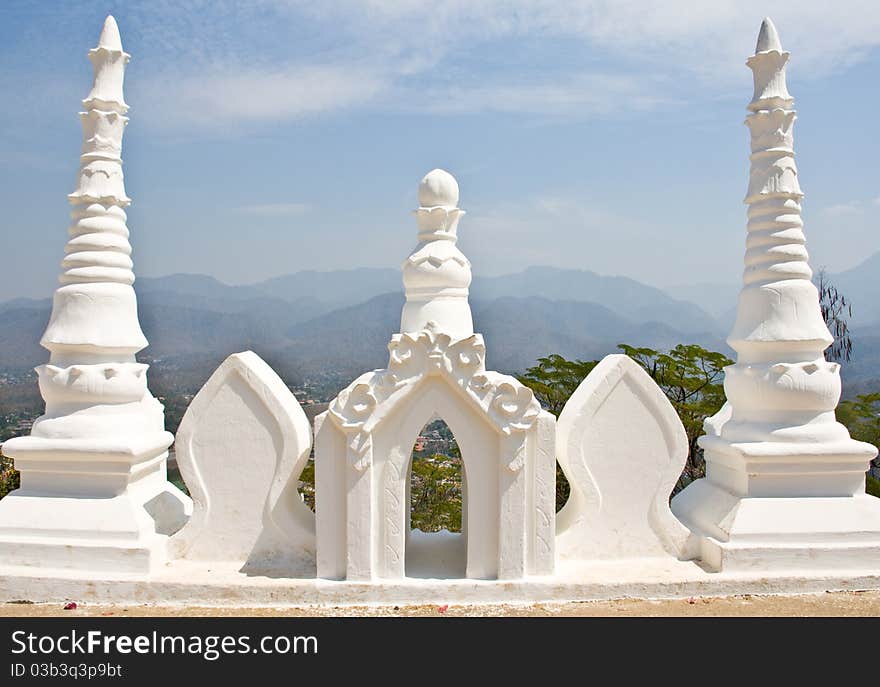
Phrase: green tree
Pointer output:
(9, 477)
(554, 379)
(307, 484)
(861, 416)
(690, 376)
(436, 494)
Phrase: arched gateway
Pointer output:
(436, 368)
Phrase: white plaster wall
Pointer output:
(622, 448)
(241, 447)
(331, 518)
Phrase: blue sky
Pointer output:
(272, 136)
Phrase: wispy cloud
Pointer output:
(275, 209)
(576, 95)
(219, 98)
(574, 220)
(708, 38)
(578, 212)
(224, 63)
(853, 207)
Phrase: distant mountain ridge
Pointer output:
(343, 319)
(310, 323)
(860, 285)
(314, 293)
(627, 297)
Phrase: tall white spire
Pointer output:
(781, 387)
(95, 311)
(109, 61)
(785, 483)
(100, 448)
(436, 276)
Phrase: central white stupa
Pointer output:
(436, 276)
(436, 369)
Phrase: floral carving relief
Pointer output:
(509, 405)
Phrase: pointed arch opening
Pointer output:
(436, 497)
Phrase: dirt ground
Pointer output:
(828, 604)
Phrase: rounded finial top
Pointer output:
(438, 187)
(110, 38)
(768, 38)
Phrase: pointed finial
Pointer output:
(768, 38)
(110, 38)
(108, 61)
(438, 188)
(768, 66)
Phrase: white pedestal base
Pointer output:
(753, 534)
(188, 583)
(93, 506)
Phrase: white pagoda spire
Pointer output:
(784, 481)
(782, 388)
(98, 454)
(95, 311)
(436, 276)
(94, 330)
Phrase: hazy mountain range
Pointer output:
(308, 323)
(860, 285)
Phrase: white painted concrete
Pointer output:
(436, 369)
(241, 447)
(622, 448)
(782, 508)
(436, 275)
(94, 494)
(187, 583)
(785, 482)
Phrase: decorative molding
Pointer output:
(508, 404)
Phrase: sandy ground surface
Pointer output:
(828, 604)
